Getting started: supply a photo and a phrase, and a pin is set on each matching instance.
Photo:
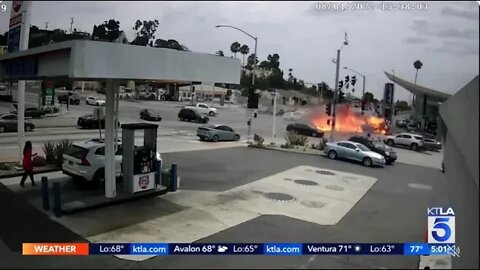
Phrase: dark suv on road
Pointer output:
(74, 99)
(389, 155)
(191, 115)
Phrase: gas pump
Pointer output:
(139, 163)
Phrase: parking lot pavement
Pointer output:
(222, 199)
(426, 158)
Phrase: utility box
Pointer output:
(139, 163)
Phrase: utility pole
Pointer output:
(46, 25)
(321, 86)
(335, 94)
(274, 115)
(71, 24)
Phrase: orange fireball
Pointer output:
(349, 122)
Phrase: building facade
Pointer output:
(459, 128)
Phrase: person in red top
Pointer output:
(27, 164)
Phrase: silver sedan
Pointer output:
(353, 151)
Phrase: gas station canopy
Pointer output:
(433, 95)
(92, 60)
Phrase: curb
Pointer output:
(20, 173)
(283, 150)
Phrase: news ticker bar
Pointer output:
(269, 249)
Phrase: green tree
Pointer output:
(235, 48)
(290, 75)
(274, 61)
(146, 29)
(244, 50)
(250, 61)
(112, 29)
(220, 53)
(4, 39)
(276, 79)
(402, 106)
(368, 97)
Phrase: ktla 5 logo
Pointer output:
(441, 225)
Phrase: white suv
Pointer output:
(86, 160)
(405, 139)
(94, 101)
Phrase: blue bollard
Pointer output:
(57, 203)
(173, 177)
(158, 172)
(45, 198)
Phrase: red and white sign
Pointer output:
(16, 16)
(143, 182)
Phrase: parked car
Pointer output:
(74, 99)
(387, 152)
(95, 101)
(89, 121)
(413, 141)
(150, 115)
(203, 108)
(305, 129)
(217, 133)
(9, 123)
(353, 151)
(30, 112)
(192, 115)
(401, 123)
(431, 144)
(412, 127)
(86, 160)
(167, 97)
(125, 93)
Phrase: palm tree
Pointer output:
(220, 53)
(244, 50)
(235, 47)
(417, 65)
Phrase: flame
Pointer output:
(350, 122)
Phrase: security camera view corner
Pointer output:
(226, 135)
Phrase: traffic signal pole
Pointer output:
(335, 94)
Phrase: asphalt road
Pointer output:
(391, 211)
(129, 112)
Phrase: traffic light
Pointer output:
(328, 109)
(193, 89)
(347, 78)
(354, 80)
(340, 85)
(252, 102)
(341, 97)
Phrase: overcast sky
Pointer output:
(445, 37)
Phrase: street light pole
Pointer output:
(274, 115)
(253, 71)
(254, 63)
